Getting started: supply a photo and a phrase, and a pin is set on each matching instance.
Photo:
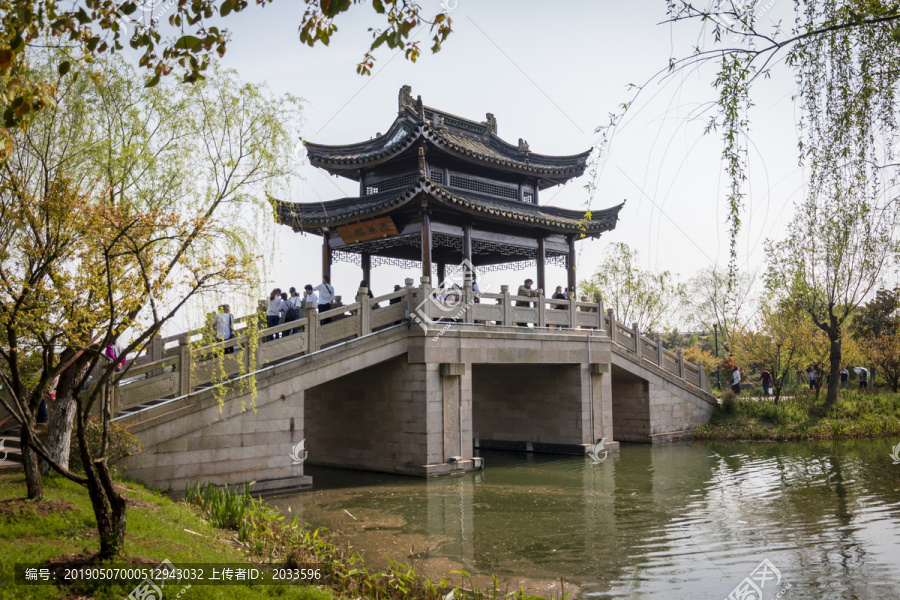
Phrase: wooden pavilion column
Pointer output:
(366, 260)
(570, 265)
(467, 244)
(441, 274)
(541, 260)
(426, 246)
(326, 254)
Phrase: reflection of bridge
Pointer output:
(372, 390)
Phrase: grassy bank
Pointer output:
(803, 417)
(210, 526)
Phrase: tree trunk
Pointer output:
(834, 359)
(33, 480)
(109, 506)
(58, 439)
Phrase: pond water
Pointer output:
(690, 520)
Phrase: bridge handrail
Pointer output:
(309, 334)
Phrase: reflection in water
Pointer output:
(667, 521)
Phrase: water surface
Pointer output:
(689, 520)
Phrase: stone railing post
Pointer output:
(184, 365)
(573, 318)
(612, 324)
(680, 353)
(312, 328)
(637, 339)
(659, 349)
(468, 297)
(506, 311)
(424, 300)
(541, 305)
(155, 353)
(599, 302)
(700, 374)
(410, 297)
(365, 311)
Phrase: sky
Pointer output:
(550, 73)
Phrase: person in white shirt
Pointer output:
(223, 324)
(326, 296)
(293, 310)
(274, 310)
(309, 296)
(736, 381)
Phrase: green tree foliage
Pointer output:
(170, 37)
(640, 296)
(118, 206)
(876, 328)
(714, 301)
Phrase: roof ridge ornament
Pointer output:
(405, 98)
(491, 123)
(437, 121)
(523, 147)
(420, 109)
(423, 172)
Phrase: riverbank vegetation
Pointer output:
(804, 416)
(211, 526)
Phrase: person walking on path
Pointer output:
(765, 378)
(736, 381)
(845, 377)
(812, 377)
(326, 296)
(863, 377)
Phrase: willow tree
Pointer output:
(637, 295)
(845, 60)
(109, 230)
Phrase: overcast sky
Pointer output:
(550, 76)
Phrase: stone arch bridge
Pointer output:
(403, 383)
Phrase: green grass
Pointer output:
(156, 531)
(802, 417)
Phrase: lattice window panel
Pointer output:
(485, 247)
(483, 187)
(374, 246)
(393, 183)
(403, 263)
(445, 240)
(519, 265)
(559, 259)
(349, 257)
(436, 175)
(528, 197)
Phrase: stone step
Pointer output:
(11, 453)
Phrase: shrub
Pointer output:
(727, 405)
(122, 443)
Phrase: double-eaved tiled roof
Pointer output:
(466, 139)
(314, 216)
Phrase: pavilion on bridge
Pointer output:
(436, 190)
